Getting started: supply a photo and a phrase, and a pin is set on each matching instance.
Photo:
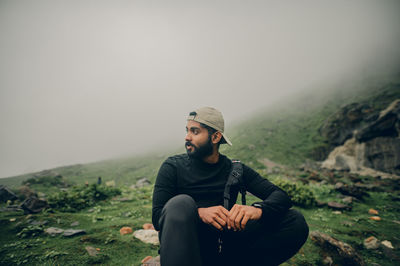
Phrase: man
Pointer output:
(195, 228)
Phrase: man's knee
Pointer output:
(298, 225)
(180, 209)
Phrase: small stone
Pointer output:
(387, 244)
(337, 212)
(110, 183)
(73, 232)
(125, 230)
(327, 261)
(91, 251)
(53, 231)
(147, 236)
(338, 206)
(76, 223)
(375, 218)
(373, 212)
(371, 243)
(148, 226)
(39, 222)
(98, 249)
(13, 220)
(348, 199)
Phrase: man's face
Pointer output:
(198, 143)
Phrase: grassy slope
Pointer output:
(285, 134)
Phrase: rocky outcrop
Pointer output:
(374, 149)
(6, 194)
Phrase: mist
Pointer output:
(82, 81)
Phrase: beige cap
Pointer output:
(212, 118)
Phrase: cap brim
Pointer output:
(225, 140)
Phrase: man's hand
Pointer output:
(217, 216)
(240, 214)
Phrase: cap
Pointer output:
(212, 118)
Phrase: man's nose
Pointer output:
(188, 137)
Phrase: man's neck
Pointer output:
(212, 159)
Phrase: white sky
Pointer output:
(83, 80)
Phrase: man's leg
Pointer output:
(270, 244)
(179, 232)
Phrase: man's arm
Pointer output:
(164, 189)
(274, 205)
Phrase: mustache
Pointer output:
(188, 143)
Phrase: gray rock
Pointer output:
(6, 194)
(73, 232)
(76, 223)
(39, 222)
(383, 154)
(34, 205)
(91, 251)
(147, 236)
(142, 183)
(338, 206)
(371, 243)
(53, 231)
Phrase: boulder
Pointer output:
(6, 194)
(383, 154)
(53, 231)
(33, 205)
(342, 253)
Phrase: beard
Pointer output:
(200, 152)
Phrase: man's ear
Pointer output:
(216, 137)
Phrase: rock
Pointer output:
(383, 154)
(340, 126)
(12, 219)
(91, 251)
(371, 243)
(373, 212)
(348, 199)
(34, 205)
(353, 191)
(375, 218)
(337, 212)
(327, 261)
(387, 244)
(147, 236)
(76, 223)
(6, 194)
(148, 226)
(143, 182)
(53, 231)
(338, 206)
(151, 261)
(39, 222)
(346, 254)
(125, 230)
(73, 232)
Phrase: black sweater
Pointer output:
(205, 183)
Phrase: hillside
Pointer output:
(281, 142)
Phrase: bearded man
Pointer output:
(195, 228)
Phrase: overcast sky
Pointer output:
(82, 81)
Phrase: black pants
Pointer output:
(186, 240)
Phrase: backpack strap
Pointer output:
(235, 178)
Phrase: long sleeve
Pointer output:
(164, 189)
(275, 202)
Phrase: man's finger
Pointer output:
(216, 225)
(232, 217)
(238, 219)
(220, 221)
(244, 221)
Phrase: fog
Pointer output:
(82, 81)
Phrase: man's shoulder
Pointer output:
(177, 159)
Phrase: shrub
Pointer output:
(81, 197)
(300, 194)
